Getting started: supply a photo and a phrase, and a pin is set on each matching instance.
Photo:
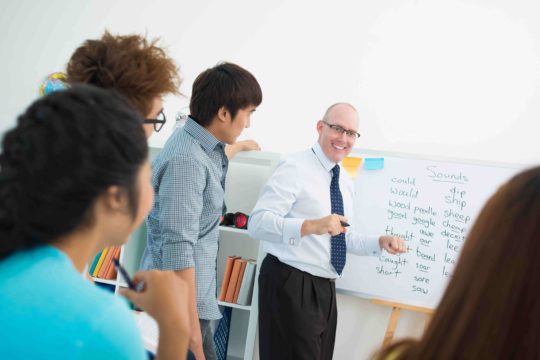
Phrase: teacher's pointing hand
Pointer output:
(392, 244)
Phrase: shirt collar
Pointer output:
(203, 136)
(323, 159)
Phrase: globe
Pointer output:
(53, 82)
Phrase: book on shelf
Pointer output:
(110, 274)
(239, 280)
(106, 263)
(94, 263)
(226, 276)
(246, 287)
(233, 280)
(100, 262)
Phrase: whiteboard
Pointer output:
(431, 204)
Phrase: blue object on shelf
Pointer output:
(108, 287)
(221, 337)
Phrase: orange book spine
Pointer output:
(111, 269)
(226, 277)
(232, 282)
(106, 263)
(243, 264)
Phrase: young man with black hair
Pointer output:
(189, 181)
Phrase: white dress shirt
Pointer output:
(299, 189)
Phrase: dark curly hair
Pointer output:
(227, 85)
(132, 65)
(66, 149)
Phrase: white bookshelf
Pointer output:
(130, 256)
(104, 281)
(244, 237)
(246, 176)
(233, 230)
(243, 330)
(235, 306)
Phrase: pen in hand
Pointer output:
(140, 285)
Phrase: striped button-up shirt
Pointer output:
(183, 226)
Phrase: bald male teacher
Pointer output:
(301, 216)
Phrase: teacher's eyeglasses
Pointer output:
(158, 121)
(338, 129)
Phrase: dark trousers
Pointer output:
(297, 313)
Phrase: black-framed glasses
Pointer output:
(158, 121)
(350, 133)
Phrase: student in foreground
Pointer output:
(75, 178)
(491, 307)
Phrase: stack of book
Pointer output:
(238, 279)
(103, 267)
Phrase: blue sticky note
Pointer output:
(373, 163)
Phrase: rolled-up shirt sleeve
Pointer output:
(180, 199)
(362, 245)
(269, 220)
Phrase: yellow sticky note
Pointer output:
(351, 164)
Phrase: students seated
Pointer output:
(74, 179)
(491, 307)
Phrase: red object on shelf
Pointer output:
(240, 220)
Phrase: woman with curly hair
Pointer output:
(133, 66)
(74, 179)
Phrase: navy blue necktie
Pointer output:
(338, 246)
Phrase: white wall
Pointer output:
(453, 78)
